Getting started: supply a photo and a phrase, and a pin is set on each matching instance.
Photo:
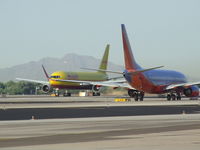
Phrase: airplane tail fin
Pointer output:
(45, 72)
(129, 59)
(104, 61)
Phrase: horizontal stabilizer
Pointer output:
(143, 70)
(109, 71)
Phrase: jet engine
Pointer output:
(96, 88)
(132, 92)
(192, 91)
(46, 88)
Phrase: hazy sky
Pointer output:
(161, 32)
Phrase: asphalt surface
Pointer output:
(29, 123)
(84, 112)
(21, 108)
(135, 132)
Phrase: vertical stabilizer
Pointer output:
(45, 72)
(129, 59)
(104, 61)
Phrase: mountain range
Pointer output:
(70, 62)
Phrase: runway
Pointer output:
(134, 132)
(84, 123)
(24, 108)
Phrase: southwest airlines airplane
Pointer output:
(64, 80)
(154, 80)
(151, 80)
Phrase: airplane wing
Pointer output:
(110, 83)
(115, 83)
(34, 81)
(143, 70)
(131, 72)
(172, 86)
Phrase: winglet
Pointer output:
(129, 59)
(46, 74)
(104, 61)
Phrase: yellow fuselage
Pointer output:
(83, 76)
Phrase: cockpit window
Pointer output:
(56, 77)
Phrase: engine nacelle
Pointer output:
(132, 92)
(96, 88)
(46, 88)
(192, 91)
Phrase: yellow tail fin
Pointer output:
(104, 61)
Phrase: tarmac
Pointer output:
(98, 123)
(134, 132)
(24, 108)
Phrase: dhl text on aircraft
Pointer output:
(75, 80)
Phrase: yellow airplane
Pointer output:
(76, 80)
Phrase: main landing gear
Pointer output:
(64, 93)
(137, 95)
(96, 94)
(173, 96)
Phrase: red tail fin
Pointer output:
(129, 59)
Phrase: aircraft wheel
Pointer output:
(67, 94)
(178, 96)
(96, 94)
(173, 97)
(57, 94)
(141, 96)
(136, 97)
(169, 97)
